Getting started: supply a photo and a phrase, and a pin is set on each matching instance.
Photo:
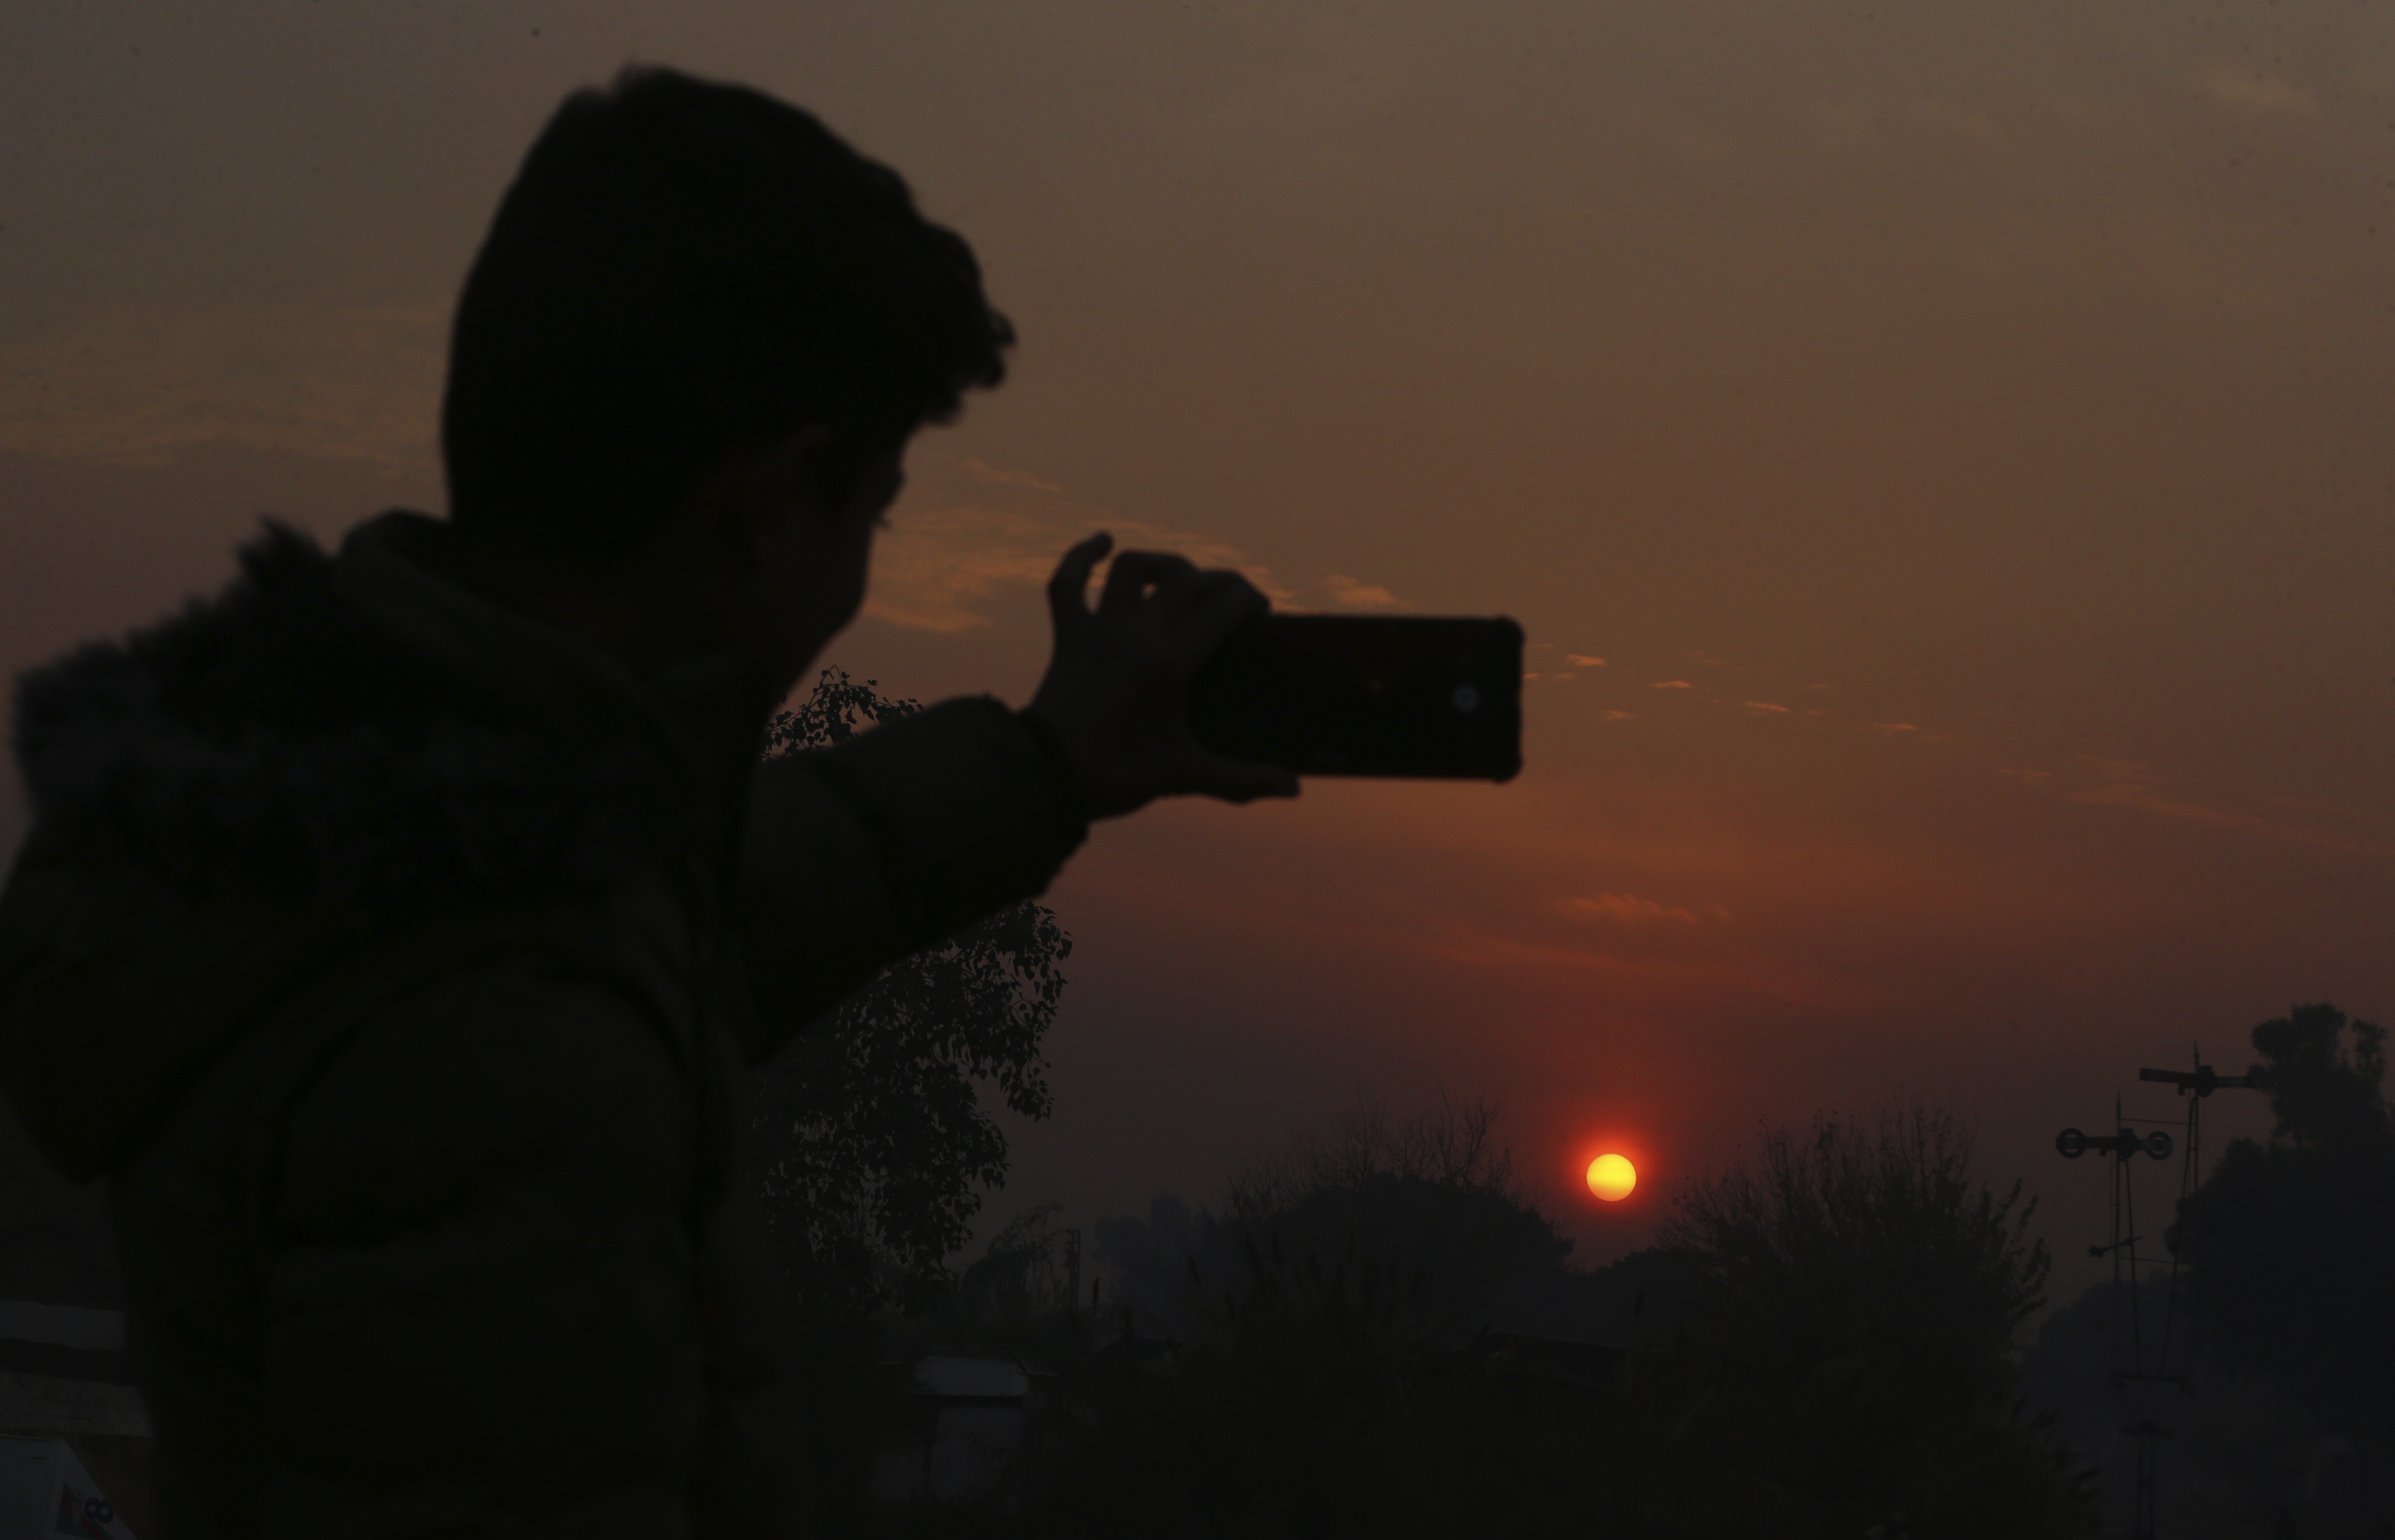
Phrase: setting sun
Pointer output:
(1611, 1177)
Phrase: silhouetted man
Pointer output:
(394, 929)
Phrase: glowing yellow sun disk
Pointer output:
(1611, 1177)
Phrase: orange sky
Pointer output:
(1961, 432)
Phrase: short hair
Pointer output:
(681, 271)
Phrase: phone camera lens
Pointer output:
(1466, 698)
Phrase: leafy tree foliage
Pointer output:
(2324, 1090)
(1872, 1232)
(2290, 1245)
(873, 1142)
(1433, 1199)
(1019, 1298)
(1851, 1351)
(1376, 1332)
(1321, 1368)
(1392, 1342)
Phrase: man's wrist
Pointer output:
(1072, 796)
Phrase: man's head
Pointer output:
(686, 275)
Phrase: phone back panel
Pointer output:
(1348, 695)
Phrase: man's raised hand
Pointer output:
(1116, 694)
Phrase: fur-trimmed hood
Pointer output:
(332, 747)
(278, 739)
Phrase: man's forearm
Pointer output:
(856, 856)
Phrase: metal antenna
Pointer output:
(2194, 1086)
(2127, 1272)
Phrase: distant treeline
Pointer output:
(1380, 1332)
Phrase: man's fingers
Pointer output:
(1068, 591)
(1157, 620)
(1225, 607)
(1193, 590)
(1133, 574)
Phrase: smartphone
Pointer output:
(1355, 694)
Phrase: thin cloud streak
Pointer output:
(990, 475)
(1359, 595)
(323, 378)
(2130, 786)
(1629, 910)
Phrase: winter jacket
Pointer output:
(394, 958)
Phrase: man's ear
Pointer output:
(769, 487)
(791, 472)
(744, 496)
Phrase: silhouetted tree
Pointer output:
(871, 1140)
(2290, 1245)
(1325, 1375)
(1825, 1348)
(1146, 1256)
(1433, 1198)
(871, 1145)
(1431, 1195)
(1851, 1354)
(1016, 1299)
